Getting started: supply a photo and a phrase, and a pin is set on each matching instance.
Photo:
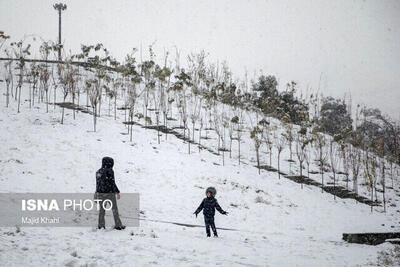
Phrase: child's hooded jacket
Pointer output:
(209, 204)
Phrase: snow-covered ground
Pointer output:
(278, 223)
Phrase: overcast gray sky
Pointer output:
(355, 44)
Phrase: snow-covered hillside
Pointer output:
(277, 223)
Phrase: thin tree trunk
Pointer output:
(270, 157)
(145, 116)
(131, 132)
(30, 96)
(372, 198)
(55, 96)
(334, 185)
(99, 114)
(94, 117)
(384, 186)
(239, 149)
(158, 129)
(279, 165)
(109, 106)
(301, 174)
(33, 95)
(391, 173)
(73, 105)
(16, 91)
(115, 107)
(200, 138)
(129, 125)
(355, 185)
(322, 177)
(87, 99)
(47, 102)
(8, 97)
(193, 125)
(125, 112)
(19, 97)
(79, 96)
(218, 145)
(166, 125)
(230, 148)
(258, 160)
(188, 143)
(62, 116)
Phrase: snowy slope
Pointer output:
(278, 223)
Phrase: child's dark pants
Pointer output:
(209, 221)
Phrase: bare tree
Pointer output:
(180, 88)
(344, 151)
(355, 162)
(44, 81)
(63, 76)
(225, 124)
(391, 159)
(163, 77)
(184, 116)
(370, 166)
(132, 97)
(20, 52)
(194, 110)
(289, 139)
(301, 144)
(35, 74)
(113, 94)
(94, 96)
(239, 129)
(231, 128)
(217, 126)
(197, 72)
(321, 154)
(257, 135)
(381, 153)
(308, 155)
(200, 129)
(268, 140)
(280, 145)
(3, 38)
(148, 71)
(334, 155)
(45, 49)
(9, 80)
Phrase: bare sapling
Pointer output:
(20, 52)
(370, 174)
(301, 144)
(321, 153)
(280, 145)
(256, 135)
(334, 156)
(9, 80)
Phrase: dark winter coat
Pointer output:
(105, 181)
(208, 205)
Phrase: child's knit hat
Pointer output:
(212, 191)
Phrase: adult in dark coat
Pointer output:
(106, 189)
